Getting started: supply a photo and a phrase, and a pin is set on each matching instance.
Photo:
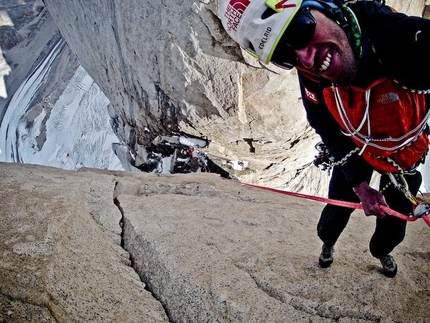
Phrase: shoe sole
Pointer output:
(390, 273)
(325, 264)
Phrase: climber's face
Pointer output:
(328, 55)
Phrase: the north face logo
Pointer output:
(234, 12)
(387, 98)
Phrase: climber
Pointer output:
(364, 75)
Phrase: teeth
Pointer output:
(326, 64)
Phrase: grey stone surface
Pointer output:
(207, 250)
(168, 66)
(57, 265)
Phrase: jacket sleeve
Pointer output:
(356, 169)
(401, 42)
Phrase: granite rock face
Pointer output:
(169, 67)
(58, 263)
(108, 246)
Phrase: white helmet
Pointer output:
(258, 25)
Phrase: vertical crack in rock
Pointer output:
(132, 262)
(121, 210)
(324, 310)
(121, 221)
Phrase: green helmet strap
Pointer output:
(354, 33)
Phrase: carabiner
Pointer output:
(420, 210)
(404, 188)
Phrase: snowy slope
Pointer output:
(78, 133)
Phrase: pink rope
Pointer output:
(351, 205)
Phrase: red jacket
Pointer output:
(402, 51)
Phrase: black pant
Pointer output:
(389, 231)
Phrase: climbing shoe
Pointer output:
(389, 266)
(326, 256)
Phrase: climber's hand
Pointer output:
(371, 199)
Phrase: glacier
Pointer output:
(75, 133)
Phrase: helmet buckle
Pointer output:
(278, 5)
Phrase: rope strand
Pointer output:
(351, 205)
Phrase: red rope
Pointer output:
(352, 205)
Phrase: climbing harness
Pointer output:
(420, 208)
(325, 161)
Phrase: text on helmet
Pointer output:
(234, 12)
(265, 37)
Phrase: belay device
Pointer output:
(323, 160)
